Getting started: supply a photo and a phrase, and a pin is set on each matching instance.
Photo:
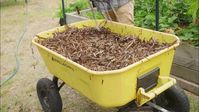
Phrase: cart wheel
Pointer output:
(174, 99)
(49, 96)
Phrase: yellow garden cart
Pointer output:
(145, 84)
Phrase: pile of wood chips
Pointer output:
(101, 50)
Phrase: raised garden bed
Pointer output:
(75, 17)
(81, 15)
(186, 67)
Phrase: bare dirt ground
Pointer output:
(19, 94)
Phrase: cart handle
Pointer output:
(143, 97)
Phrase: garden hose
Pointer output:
(17, 60)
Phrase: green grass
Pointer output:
(194, 103)
(3, 108)
(8, 3)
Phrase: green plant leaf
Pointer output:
(195, 36)
(172, 19)
(194, 8)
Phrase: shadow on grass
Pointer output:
(8, 3)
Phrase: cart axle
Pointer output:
(157, 107)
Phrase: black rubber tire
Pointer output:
(49, 96)
(173, 99)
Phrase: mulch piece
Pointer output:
(101, 50)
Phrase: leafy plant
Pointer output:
(190, 34)
(176, 16)
(97, 15)
(194, 8)
(81, 4)
(172, 13)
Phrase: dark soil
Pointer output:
(101, 50)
